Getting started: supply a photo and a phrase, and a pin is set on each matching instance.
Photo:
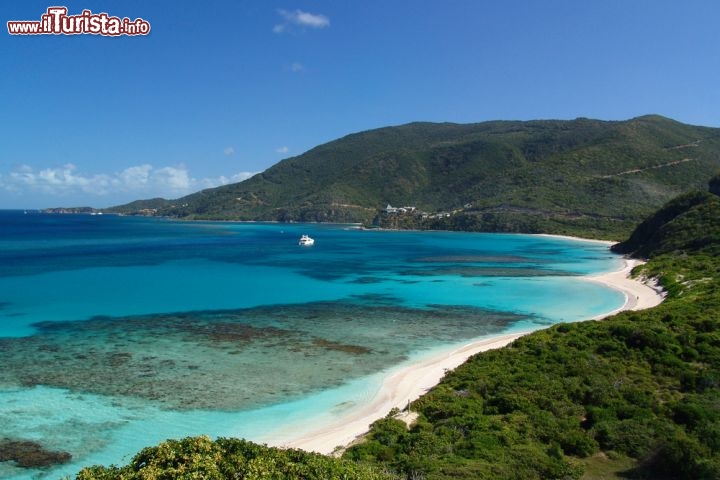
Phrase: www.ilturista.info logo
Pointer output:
(57, 22)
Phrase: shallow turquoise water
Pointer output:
(116, 333)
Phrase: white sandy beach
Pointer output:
(409, 383)
(639, 295)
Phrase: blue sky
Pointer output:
(222, 89)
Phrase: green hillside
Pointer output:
(683, 224)
(596, 177)
(633, 396)
(145, 207)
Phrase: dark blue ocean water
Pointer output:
(119, 332)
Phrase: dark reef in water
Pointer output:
(235, 359)
(30, 454)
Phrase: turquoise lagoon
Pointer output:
(117, 333)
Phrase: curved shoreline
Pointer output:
(408, 383)
(639, 294)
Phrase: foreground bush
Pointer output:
(202, 458)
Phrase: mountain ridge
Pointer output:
(553, 176)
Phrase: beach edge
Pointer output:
(410, 382)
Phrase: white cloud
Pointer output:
(140, 181)
(53, 180)
(173, 178)
(229, 151)
(308, 19)
(300, 19)
(297, 67)
(282, 150)
(139, 175)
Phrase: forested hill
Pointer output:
(634, 396)
(585, 176)
(690, 222)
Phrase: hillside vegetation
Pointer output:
(633, 396)
(596, 177)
